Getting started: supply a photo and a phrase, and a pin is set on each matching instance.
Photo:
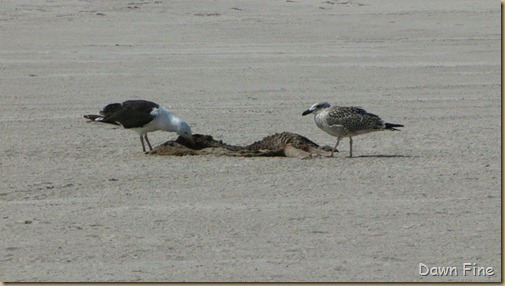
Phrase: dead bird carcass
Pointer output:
(285, 144)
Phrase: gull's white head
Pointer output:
(185, 131)
(316, 107)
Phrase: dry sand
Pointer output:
(81, 202)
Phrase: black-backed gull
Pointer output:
(341, 121)
(142, 116)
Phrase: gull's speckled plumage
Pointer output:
(346, 121)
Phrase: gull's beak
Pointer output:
(307, 112)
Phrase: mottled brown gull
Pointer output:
(346, 121)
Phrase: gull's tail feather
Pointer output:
(98, 118)
(391, 126)
(93, 117)
(104, 114)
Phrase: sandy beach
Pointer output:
(80, 202)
